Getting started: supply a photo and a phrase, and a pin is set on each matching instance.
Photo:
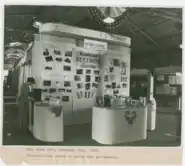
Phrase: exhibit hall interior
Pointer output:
(92, 76)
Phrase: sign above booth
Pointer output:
(97, 45)
(66, 30)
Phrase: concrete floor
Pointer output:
(80, 135)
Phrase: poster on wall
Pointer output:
(85, 60)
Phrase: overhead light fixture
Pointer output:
(108, 20)
(37, 24)
(109, 17)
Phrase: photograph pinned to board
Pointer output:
(124, 85)
(58, 59)
(46, 82)
(94, 85)
(111, 69)
(67, 68)
(108, 86)
(65, 98)
(77, 78)
(67, 84)
(87, 86)
(49, 58)
(69, 90)
(67, 60)
(116, 62)
(80, 85)
(61, 90)
(97, 79)
(123, 68)
(113, 85)
(46, 52)
(87, 78)
(106, 78)
(57, 52)
(88, 71)
(96, 72)
(52, 90)
(48, 68)
(79, 71)
(68, 53)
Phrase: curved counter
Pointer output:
(119, 125)
(47, 123)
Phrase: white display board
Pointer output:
(56, 65)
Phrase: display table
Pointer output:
(119, 125)
(151, 115)
(46, 123)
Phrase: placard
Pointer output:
(97, 45)
(87, 61)
(172, 79)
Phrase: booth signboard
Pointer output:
(97, 45)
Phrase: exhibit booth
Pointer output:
(75, 69)
(168, 86)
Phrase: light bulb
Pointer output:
(108, 20)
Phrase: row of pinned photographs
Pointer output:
(114, 85)
(88, 78)
(63, 98)
(58, 59)
(85, 94)
(65, 68)
(49, 57)
(87, 86)
(56, 52)
(48, 83)
(87, 71)
(54, 90)
(111, 78)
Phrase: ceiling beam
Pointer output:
(144, 34)
(166, 14)
(168, 17)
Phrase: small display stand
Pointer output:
(119, 125)
(46, 122)
(151, 115)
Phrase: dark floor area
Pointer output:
(80, 135)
